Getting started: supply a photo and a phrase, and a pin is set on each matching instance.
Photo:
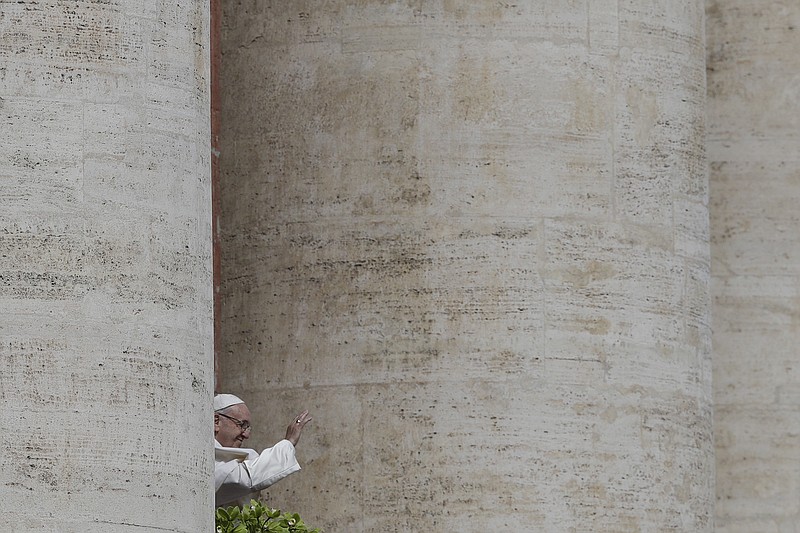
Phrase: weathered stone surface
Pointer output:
(754, 150)
(472, 238)
(105, 279)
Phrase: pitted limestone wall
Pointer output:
(105, 340)
(754, 151)
(472, 238)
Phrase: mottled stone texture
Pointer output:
(472, 238)
(105, 283)
(754, 153)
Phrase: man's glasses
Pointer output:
(244, 426)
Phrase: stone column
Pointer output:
(105, 341)
(754, 151)
(472, 238)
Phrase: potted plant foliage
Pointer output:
(256, 518)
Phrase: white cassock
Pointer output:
(240, 472)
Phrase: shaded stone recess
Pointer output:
(472, 238)
(105, 259)
(754, 150)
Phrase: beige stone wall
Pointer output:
(105, 282)
(754, 150)
(472, 238)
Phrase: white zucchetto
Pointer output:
(223, 401)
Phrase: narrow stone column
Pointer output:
(472, 238)
(754, 154)
(105, 340)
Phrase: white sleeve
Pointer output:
(235, 480)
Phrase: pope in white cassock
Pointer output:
(240, 472)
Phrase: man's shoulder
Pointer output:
(224, 454)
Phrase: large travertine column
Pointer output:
(754, 151)
(472, 238)
(105, 340)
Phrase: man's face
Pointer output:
(226, 431)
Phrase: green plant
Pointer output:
(255, 518)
